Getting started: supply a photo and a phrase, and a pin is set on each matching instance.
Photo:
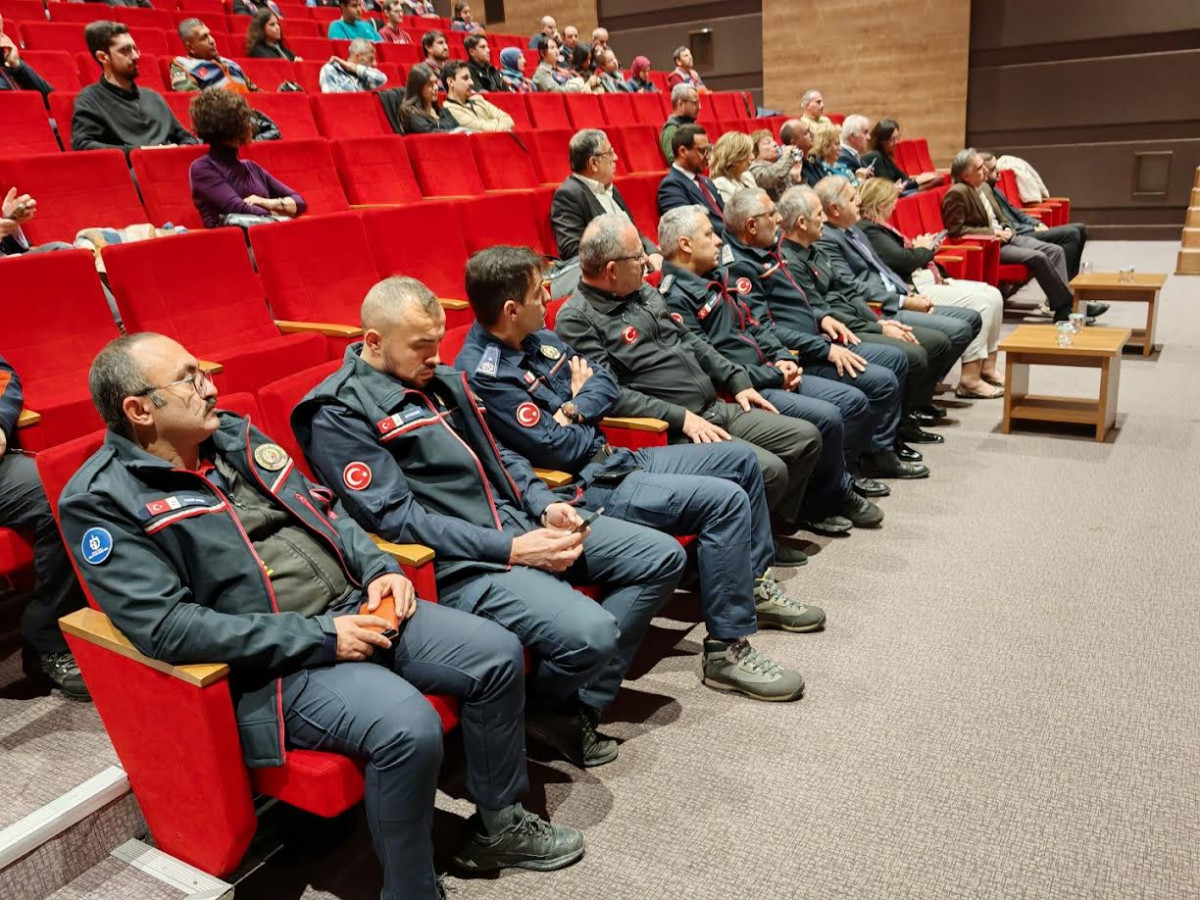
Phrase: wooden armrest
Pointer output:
(656, 426)
(374, 205)
(876, 305)
(326, 328)
(553, 478)
(1055, 200)
(28, 417)
(212, 368)
(451, 303)
(405, 554)
(965, 248)
(95, 627)
(946, 257)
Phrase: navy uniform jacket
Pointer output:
(522, 389)
(24, 78)
(719, 315)
(664, 370)
(815, 273)
(853, 266)
(762, 278)
(11, 400)
(410, 471)
(167, 559)
(676, 190)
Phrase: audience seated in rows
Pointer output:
(812, 108)
(437, 54)
(202, 66)
(884, 137)
(462, 20)
(685, 107)
(551, 76)
(15, 73)
(424, 8)
(772, 164)
(264, 38)
(420, 113)
(512, 70)
(224, 186)
(685, 183)
(683, 73)
(612, 81)
(824, 152)
(639, 81)
(355, 73)
(474, 113)
(548, 28)
(393, 32)
(572, 54)
(115, 112)
(352, 25)
(798, 134)
(730, 164)
(484, 76)
(254, 7)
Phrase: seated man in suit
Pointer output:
(970, 207)
(589, 192)
(203, 67)
(15, 73)
(203, 542)
(1071, 237)
(404, 443)
(685, 184)
(856, 137)
(685, 106)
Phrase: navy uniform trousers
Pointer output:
(375, 710)
(583, 648)
(714, 491)
(882, 384)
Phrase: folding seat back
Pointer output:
(452, 343)
(499, 219)
(531, 61)
(907, 216)
(181, 105)
(279, 398)
(151, 19)
(514, 105)
(618, 109)
(648, 109)
(728, 105)
(584, 111)
(424, 242)
(58, 35)
(26, 129)
(202, 8)
(267, 74)
(406, 55)
(637, 146)
(541, 200)
(62, 109)
(289, 111)
(55, 66)
(444, 165)
(549, 148)
(349, 115)
(310, 48)
(906, 158)
(641, 196)
(162, 176)
(74, 191)
(921, 155)
(660, 81)
(504, 160)
(547, 110)
(930, 205)
(306, 167)
(22, 11)
(376, 171)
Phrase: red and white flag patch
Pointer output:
(629, 335)
(742, 286)
(357, 476)
(528, 415)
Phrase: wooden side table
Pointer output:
(1037, 345)
(1143, 287)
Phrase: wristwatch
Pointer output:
(571, 411)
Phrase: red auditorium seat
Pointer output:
(22, 11)
(267, 74)
(584, 111)
(162, 176)
(326, 283)
(149, 72)
(147, 19)
(376, 171)
(56, 66)
(504, 161)
(549, 148)
(306, 167)
(222, 317)
(618, 109)
(181, 103)
(26, 128)
(74, 191)
(981, 255)
(349, 115)
(499, 219)
(68, 36)
(203, 8)
(728, 105)
(514, 105)
(61, 288)
(290, 111)
(637, 146)
(641, 196)
(310, 48)
(404, 55)
(444, 165)
(648, 109)
(548, 110)
(542, 199)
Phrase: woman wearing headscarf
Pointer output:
(639, 77)
(512, 66)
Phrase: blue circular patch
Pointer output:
(96, 545)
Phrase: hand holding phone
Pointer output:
(587, 519)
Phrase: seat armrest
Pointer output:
(453, 303)
(634, 433)
(635, 423)
(405, 554)
(28, 417)
(329, 329)
(554, 478)
(212, 368)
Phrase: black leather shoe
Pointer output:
(861, 511)
(869, 487)
(831, 525)
(1096, 309)
(911, 432)
(907, 453)
(886, 464)
(930, 409)
(920, 417)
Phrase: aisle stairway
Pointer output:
(1189, 251)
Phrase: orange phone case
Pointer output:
(386, 610)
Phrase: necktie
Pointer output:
(708, 197)
(890, 278)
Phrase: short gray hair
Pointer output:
(358, 45)
(187, 26)
(742, 207)
(829, 189)
(680, 91)
(601, 242)
(853, 124)
(386, 302)
(793, 204)
(807, 98)
(682, 221)
(584, 145)
(962, 162)
(115, 375)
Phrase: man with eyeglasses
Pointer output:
(685, 184)
(202, 541)
(589, 192)
(685, 107)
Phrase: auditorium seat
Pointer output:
(147, 19)
(376, 171)
(22, 11)
(61, 288)
(584, 111)
(349, 115)
(289, 110)
(513, 104)
(549, 149)
(499, 219)
(267, 74)
(202, 8)
(221, 317)
(618, 109)
(55, 66)
(26, 128)
(728, 105)
(162, 175)
(309, 48)
(547, 110)
(404, 55)
(304, 166)
(504, 161)
(637, 146)
(74, 191)
(641, 196)
(149, 71)
(542, 198)
(444, 165)
(648, 110)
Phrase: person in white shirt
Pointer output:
(356, 72)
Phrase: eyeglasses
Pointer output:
(704, 151)
(638, 256)
(197, 380)
(610, 153)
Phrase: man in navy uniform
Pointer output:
(403, 442)
(202, 541)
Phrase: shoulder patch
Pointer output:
(96, 546)
(677, 318)
(726, 255)
(357, 476)
(490, 362)
(528, 415)
(629, 335)
(742, 285)
(550, 351)
(270, 456)
(665, 284)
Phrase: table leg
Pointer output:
(1110, 383)
(1016, 386)
(1151, 315)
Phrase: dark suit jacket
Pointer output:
(676, 189)
(853, 267)
(889, 247)
(850, 159)
(573, 207)
(1023, 223)
(26, 79)
(963, 212)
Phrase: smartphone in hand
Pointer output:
(588, 518)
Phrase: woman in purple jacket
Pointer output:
(221, 183)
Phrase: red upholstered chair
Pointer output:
(201, 8)
(641, 196)
(1052, 211)
(56, 66)
(376, 171)
(180, 103)
(150, 73)
(514, 105)
(151, 19)
(547, 110)
(267, 74)
(222, 317)
(982, 254)
(289, 110)
(23, 11)
(618, 109)
(68, 14)
(26, 128)
(62, 288)
(321, 289)
(729, 106)
(162, 176)
(549, 149)
(498, 219)
(583, 111)
(648, 109)
(306, 167)
(541, 199)
(637, 146)
(504, 161)
(404, 55)
(74, 191)
(309, 49)
(349, 115)
(444, 165)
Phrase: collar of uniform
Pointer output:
(759, 254)
(695, 286)
(229, 439)
(604, 301)
(796, 251)
(383, 388)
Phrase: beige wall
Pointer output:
(522, 16)
(905, 58)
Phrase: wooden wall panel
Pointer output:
(905, 58)
(524, 16)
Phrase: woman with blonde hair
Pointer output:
(913, 261)
(827, 144)
(730, 163)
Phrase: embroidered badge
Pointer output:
(528, 414)
(727, 255)
(357, 476)
(167, 504)
(629, 335)
(490, 361)
(96, 545)
(742, 286)
(677, 318)
(271, 457)
(708, 306)
(550, 351)
(668, 280)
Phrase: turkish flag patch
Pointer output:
(528, 415)
(677, 318)
(742, 286)
(357, 476)
(629, 335)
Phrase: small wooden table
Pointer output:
(1037, 345)
(1143, 287)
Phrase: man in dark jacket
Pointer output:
(403, 441)
(685, 106)
(203, 543)
(484, 76)
(15, 73)
(55, 592)
(685, 183)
